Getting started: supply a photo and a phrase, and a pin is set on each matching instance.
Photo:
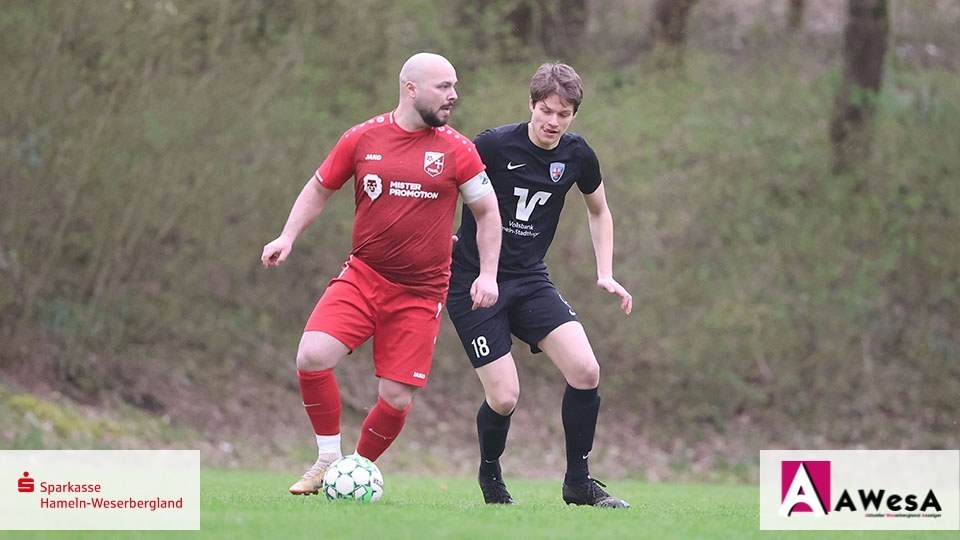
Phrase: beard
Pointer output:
(431, 118)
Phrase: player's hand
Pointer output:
(484, 292)
(611, 286)
(276, 252)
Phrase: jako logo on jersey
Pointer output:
(556, 170)
(433, 163)
(373, 186)
(418, 375)
(373, 157)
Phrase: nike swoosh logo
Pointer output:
(511, 166)
(585, 456)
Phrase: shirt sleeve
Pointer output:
(485, 144)
(340, 163)
(590, 177)
(469, 163)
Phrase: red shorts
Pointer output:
(360, 303)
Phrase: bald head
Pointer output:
(422, 66)
(427, 91)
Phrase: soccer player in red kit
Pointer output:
(409, 170)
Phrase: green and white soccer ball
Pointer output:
(353, 477)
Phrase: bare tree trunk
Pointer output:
(864, 48)
(669, 21)
(565, 24)
(667, 30)
(557, 26)
(795, 14)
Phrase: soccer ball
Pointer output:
(353, 477)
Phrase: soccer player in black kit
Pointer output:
(532, 165)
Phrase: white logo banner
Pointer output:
(100, 490)
(860, 490)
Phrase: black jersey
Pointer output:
(531, 184)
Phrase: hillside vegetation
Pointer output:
(149, 148)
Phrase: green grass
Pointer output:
(241, 505)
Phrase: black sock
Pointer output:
(492, 431)
(579, 412)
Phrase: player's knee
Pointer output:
(503, 402)
(313, 359)
(585, 375)
(397, 397)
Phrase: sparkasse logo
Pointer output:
(25, 484)
(99, 490)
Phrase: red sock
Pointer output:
(321, 399)
(379, 429)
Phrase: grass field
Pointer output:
(240, 505)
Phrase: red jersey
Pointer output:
(406, 189)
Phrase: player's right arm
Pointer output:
(313, 197)
(485, 290)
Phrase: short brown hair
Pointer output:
(557, 78)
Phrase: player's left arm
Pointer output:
(601, 233)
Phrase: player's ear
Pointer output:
(532, 104)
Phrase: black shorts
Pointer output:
(529, 307)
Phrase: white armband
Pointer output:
(476, 187)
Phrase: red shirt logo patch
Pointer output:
(433, 163)
(373, 186)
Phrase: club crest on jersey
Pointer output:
(433, 163)
(556, 171)
(373, 186)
